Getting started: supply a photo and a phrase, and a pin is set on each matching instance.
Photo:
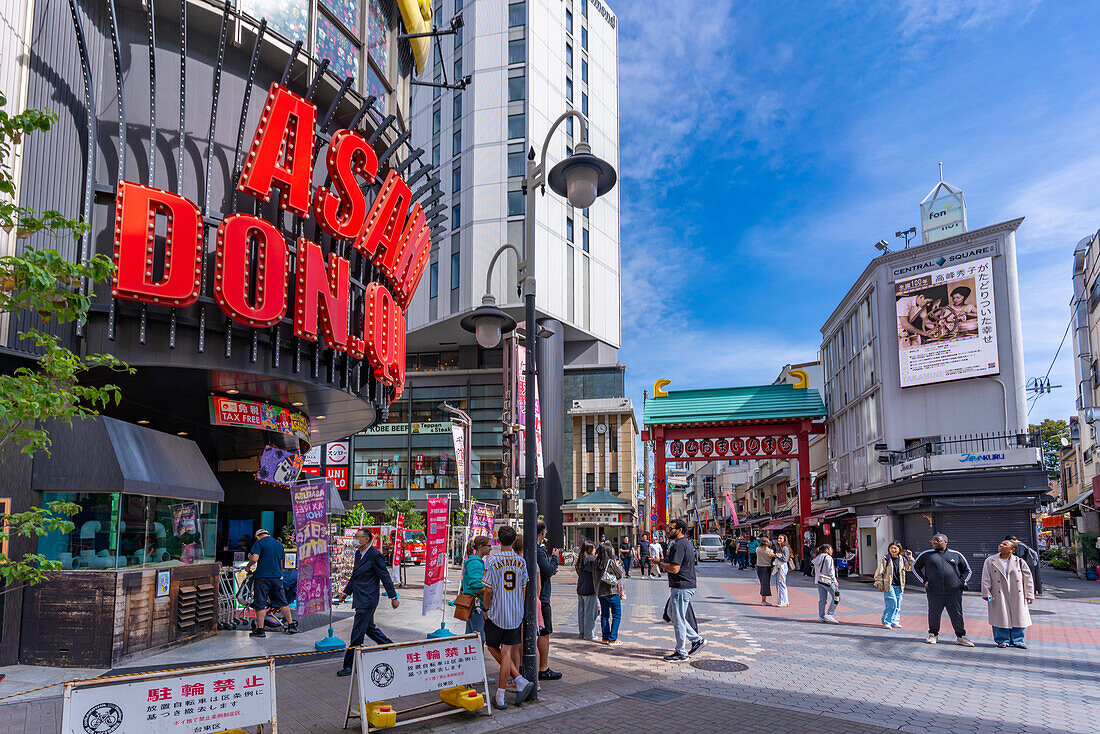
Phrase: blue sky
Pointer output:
(766, 146)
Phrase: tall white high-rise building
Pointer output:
(530, 60)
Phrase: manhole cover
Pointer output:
(719, 666)
(657, 695)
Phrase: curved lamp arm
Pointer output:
(540, 172)
(493, 262)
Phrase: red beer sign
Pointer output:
(254, 280)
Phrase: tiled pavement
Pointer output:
(801, 675)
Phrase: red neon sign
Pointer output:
(253, 270)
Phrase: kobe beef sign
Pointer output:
(390, 231)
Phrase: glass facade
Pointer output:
(114, 530)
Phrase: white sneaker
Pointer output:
(932, 638)
(888, 626)
(831, 620)
(896, 626)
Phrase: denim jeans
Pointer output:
(1008, 635)
(681, 598)
(626, 564)
(825, 596)
(476, 622)
(586, 616)
(892, 613)
(779, 578)
(611, 613)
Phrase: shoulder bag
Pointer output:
(608, 577)
(464, 606)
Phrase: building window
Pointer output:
(456, 216)
(456, 268)
(569, 21)
(456, 142)
(570, 275)
(584, 70)
(590, 437)
(569, 90)
(516, 51)
(590, 482)
(516, 88)
(456, 179)
(613, 480)
(517, 15)
(584, 8)
(569, 125)
(569, 55)
(568, 151)
(437, 121)
(612, 439)
(435, 156)
(458, 68)
(457, 106)
(516, 161)
(516, 203)
(433, 281)
(584, 38)
(458, 38)
(437, 92)
(516, 126)
(584, 239)
(569, 228)
(584, 103)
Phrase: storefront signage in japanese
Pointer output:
(400, 429)
(310, 534)
(387, 672)
(481, 519)
(947, 324)
(336, 453)
(434, 570)
(279, 467)
(187, 701)
(257, 282)
(264, 416)
(521, 411)
(313, 456)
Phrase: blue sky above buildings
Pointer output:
(766, 146)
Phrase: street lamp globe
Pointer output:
(487, 322)
(582, 177)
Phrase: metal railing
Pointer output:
(972, 443)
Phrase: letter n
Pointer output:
(136, 211)
(405, 264)
(323, 293)
(385, 219)
(282, 152)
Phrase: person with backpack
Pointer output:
(1031, 558)
(828, 593)
(606, 576)
(1008, 587)
(890, 580)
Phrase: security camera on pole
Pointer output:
(581, 178)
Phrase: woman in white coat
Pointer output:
(1009, 588)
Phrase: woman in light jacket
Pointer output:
(890, 580)
(611, 608)
(825, 578)
(780, 566)
(1009, 588)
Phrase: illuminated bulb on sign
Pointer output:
(320, 417)
(143, 423)
(297, 404)
(232, 392)
(182, 433)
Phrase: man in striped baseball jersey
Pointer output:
(505, 579)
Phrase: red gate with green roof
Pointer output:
(762, 422)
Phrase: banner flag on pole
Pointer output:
(458, 434)
(733, 507)
(434, 563)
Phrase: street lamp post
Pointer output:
(581, 178)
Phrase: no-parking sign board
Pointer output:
(184, 701)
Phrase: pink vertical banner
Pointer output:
(458, 435)
(311, 536)
(398, 543)
(733, 508)
(436, 558)
(521, 413)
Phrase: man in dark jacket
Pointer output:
(1031, 558)
(548, 566)
(944, 574)
(368, 571)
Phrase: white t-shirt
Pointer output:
(506, 575)
(654, 550)
(1004, 563)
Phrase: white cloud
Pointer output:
(928, 16)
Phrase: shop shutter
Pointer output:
(977, 533)
(917, 536)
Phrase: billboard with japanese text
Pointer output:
(947, 324)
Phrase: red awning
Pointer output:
(780, 523)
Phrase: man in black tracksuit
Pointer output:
(944, 574)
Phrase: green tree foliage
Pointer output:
(32, 568)
(1052, 432)
(357, 517)
(414, 519)
(43, 281)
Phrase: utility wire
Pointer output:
(1035, 398)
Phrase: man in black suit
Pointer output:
(370, 568)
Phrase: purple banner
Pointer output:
(279, 467)
(310, 534)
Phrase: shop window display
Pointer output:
(288, 18)
(114, 530)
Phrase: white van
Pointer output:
(710, 548)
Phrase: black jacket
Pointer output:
(942, 572)
(547, 567)
(369, 570)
